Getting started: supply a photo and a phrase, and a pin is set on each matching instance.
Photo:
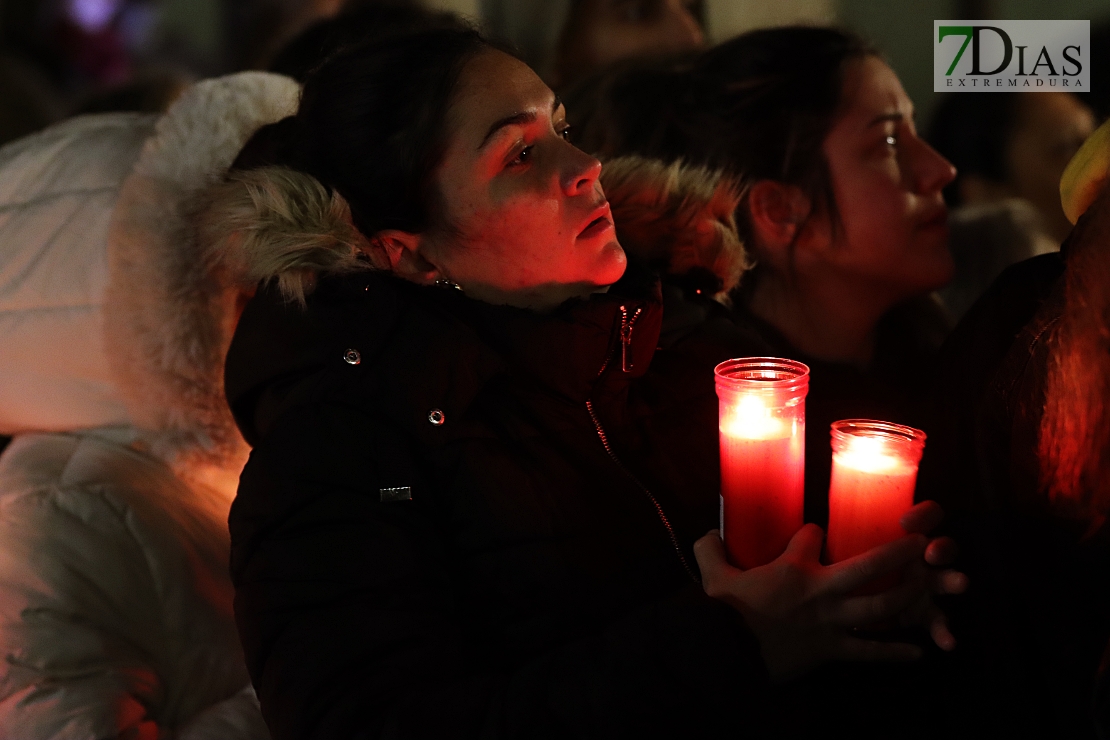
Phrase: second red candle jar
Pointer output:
(873, 475)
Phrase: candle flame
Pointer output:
(872, 455)
(752, 419)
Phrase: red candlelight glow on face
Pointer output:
(762, 426)
(874, 472)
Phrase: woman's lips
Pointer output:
(600, 220)
(938, 220)
(596, 227)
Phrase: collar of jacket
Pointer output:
(608, 338)
(425, 348)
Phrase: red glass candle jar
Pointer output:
(762, 429)
(874, 471)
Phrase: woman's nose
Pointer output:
(581, 174)
(932, 172)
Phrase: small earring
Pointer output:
(445, 283)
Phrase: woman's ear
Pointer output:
(777, 212)
(402, 249)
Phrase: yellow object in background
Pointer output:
(1086, 173)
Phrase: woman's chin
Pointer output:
(943, 270)
(930, 266)
(610, 264)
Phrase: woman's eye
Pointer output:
(565, 133)
(522, 156)
(891, 141)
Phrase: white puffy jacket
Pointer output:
(115, 601)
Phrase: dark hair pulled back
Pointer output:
(372, 125)
(759, 106)
(777, 93)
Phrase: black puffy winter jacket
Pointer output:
(462, 520)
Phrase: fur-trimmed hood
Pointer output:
(277, 224)
(171, 305)
(110, 315)
(677, 218)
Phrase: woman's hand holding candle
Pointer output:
(802, 611)
(871, 502)
(931, 573)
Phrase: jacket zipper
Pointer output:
(627, 325)
(626, 336)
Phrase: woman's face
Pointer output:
(1049, 131)
(527, 223)
(887, 182)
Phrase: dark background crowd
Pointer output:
(62, 57)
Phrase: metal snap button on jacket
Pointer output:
(400, 493)
(436, 417)
(352, 357)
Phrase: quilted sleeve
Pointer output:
(82, 627)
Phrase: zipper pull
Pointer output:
(626, 336)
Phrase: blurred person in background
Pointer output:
(89, 33)
(258, 30)
(1019, 454)
(362, 23)
(842, 210)
(151, 91)
(28, 102)
(30, 96)
(566, 40)
(91, 56)
(1099, 96)
(115, 602)
(1009, 151)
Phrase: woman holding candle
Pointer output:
(476, 486)
(843, 210)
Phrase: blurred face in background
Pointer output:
(1047, 130)
(1050, 129)
(892, 235)
(600, 32)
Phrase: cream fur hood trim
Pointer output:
(276, 224)
(171, 303)
(677, 217)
